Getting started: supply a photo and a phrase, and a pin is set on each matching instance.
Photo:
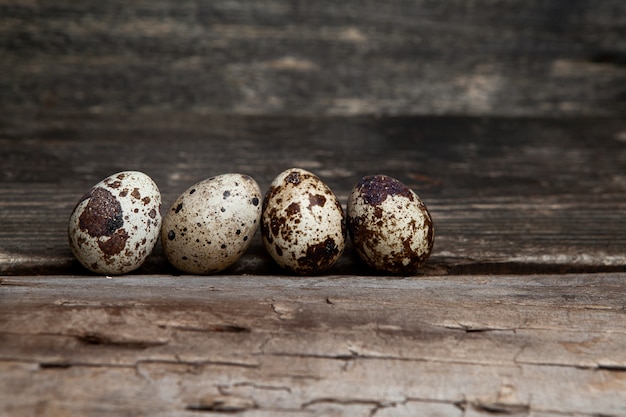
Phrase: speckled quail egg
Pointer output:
(212, 223)
(115, 226)
(302, 224)
(389, 225)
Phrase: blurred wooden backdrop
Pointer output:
(480, 57)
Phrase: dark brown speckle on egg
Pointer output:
(293, 177)
(376, 188)
(103, 214)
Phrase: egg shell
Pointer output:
(390, 227)
(302, 224)
(114, 227)
(212, 223)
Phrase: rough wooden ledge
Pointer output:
(335, 345)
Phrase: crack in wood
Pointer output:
(222, 404)
(261, 386)
(497, 408)
(219, 328)
(342, 401)
(195, 363)
(96, 339)
(468, 328)
(66, 365)
(340, 357)
(460, 405)
(611, 368)
(459, 268)
(596, 367)
(55, 365)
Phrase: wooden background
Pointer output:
(516, 57)
(508, 118)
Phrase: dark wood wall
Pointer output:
(516, 57)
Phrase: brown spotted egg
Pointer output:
(302, 224)
(389, 225)
(212, 223)
(115, 226)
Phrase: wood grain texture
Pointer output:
(507, 118)
(358, 57)
(334, 345)
(506, 195)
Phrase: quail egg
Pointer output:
(212, 223)
(302, 223)
(389, 225)
(114, 227)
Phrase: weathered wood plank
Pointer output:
(473, 345)
(170, 88)
(403, 57)
(506, 195)
(368, 387)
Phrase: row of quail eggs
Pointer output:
(115, 226)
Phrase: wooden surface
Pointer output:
(507, 118)
(334, 345)
(516, 57)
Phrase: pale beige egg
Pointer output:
(211, 225)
